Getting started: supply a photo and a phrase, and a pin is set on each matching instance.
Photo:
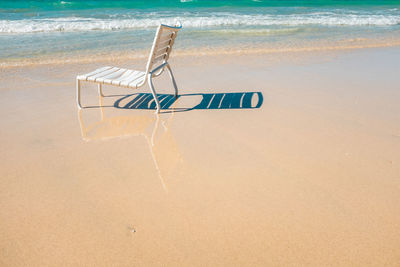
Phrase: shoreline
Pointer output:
(122, 56)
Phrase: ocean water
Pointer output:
(33, 31)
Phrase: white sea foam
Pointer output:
(72, 24)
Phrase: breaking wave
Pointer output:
(81, 24)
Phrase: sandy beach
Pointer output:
(307, 173)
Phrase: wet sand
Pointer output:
(307, 174)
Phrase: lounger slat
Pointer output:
(134, 76)
(85, 76)
(130, 78)
(127, 83)
(169, 51)
(137, 80)
(165, 31)
(165, 38)
(159, 58)
(167, 34)
(164, 43)
(102, 74)
(122, 77)
(126, 75)
(165, 47)
(162, 51)
(108, 78)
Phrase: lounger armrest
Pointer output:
(159, 67)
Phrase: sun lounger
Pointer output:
(157, 62)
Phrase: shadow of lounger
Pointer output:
(242, 100)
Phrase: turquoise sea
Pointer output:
(72, 28)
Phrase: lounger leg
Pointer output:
(101, 105)
(173, 80)
(100, 87)
(78, 93)
(154, 94)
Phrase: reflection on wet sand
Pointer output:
(153, 127)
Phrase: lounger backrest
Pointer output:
(162, 45)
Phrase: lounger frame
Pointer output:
(156, 64)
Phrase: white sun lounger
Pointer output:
(158, 60)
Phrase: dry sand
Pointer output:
(311, 178)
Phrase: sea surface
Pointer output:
(36, 31)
